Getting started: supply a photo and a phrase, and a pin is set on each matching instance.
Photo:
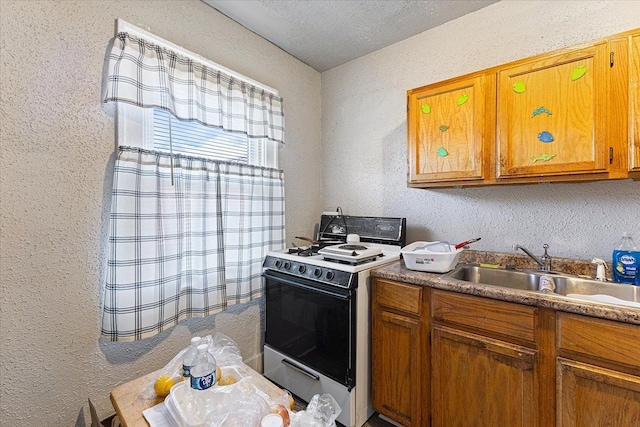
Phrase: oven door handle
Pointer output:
(299, 284)
(299, 369)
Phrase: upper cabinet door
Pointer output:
(552, 115)
(634, 95)
(447, 125)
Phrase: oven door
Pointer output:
(312, 323)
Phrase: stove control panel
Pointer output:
(308, 271)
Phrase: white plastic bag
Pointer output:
(321, 411)
(221, 347)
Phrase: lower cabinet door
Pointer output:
(479, 381)
(395, 376)
(592, 396)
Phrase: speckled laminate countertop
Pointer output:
(399, 272)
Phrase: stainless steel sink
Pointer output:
(514, 279)
(574, 286)
(579, 286)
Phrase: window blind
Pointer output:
(192, 138)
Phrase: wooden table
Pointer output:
(130, 399)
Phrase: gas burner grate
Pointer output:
(313, 250)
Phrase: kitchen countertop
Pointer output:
(397, 271)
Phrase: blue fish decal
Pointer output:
(540, 110)
(545, 136)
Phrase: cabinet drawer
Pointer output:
(602, 339)
(503, 318)
(398, 296)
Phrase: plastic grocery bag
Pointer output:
(321, 411)
(240, 404)
(221, 347)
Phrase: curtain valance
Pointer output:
(149, 75)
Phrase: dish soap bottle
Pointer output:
(625, 261)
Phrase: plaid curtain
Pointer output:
(148, 75)
(190, 249)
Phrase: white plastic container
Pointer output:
(187, 413)
(417, 256)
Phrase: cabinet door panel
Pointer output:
(395, 367)
(592, 396)
(550, 121)
(446, 130)
(634, 93)
(478, 381)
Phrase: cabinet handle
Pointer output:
(611, 59)
(610, 155)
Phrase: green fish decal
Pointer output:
(540, 110)
(426, 109)
(578, 72)
(463, 98)
(543, 158)
(519, 87)
(443, 128)
(442, 152)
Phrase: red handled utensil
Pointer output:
(460, 245)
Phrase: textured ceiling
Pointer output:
(325, 34)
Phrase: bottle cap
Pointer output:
(196, 340)
(272, 420)
(202, 348)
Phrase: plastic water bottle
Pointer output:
(203, 371)
(625, 261)
(189, 357)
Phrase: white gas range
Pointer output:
(317, 315)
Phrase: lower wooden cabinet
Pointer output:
(445, 359)
(479, 381)
(399, 359)
(395, 367)
(594, 396)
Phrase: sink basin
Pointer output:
(566, 285)
(579, 286)
(514, 279)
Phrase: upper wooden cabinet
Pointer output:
(447, 130)
(570, 115)
(552, 115)
(634, 97)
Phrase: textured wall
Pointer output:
(364, 135)
(56, 164)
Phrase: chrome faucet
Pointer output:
(545, 260)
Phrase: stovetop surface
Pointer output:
(390, 253)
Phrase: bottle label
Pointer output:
(203, 383)
(625, 266)
(186, 371)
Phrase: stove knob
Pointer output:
(278, 263)
(287, 265)
(330, 275)
(317, 272)
(302, 269)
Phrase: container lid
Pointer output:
(272, 420)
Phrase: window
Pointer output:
(194, 209)
(158, 130)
